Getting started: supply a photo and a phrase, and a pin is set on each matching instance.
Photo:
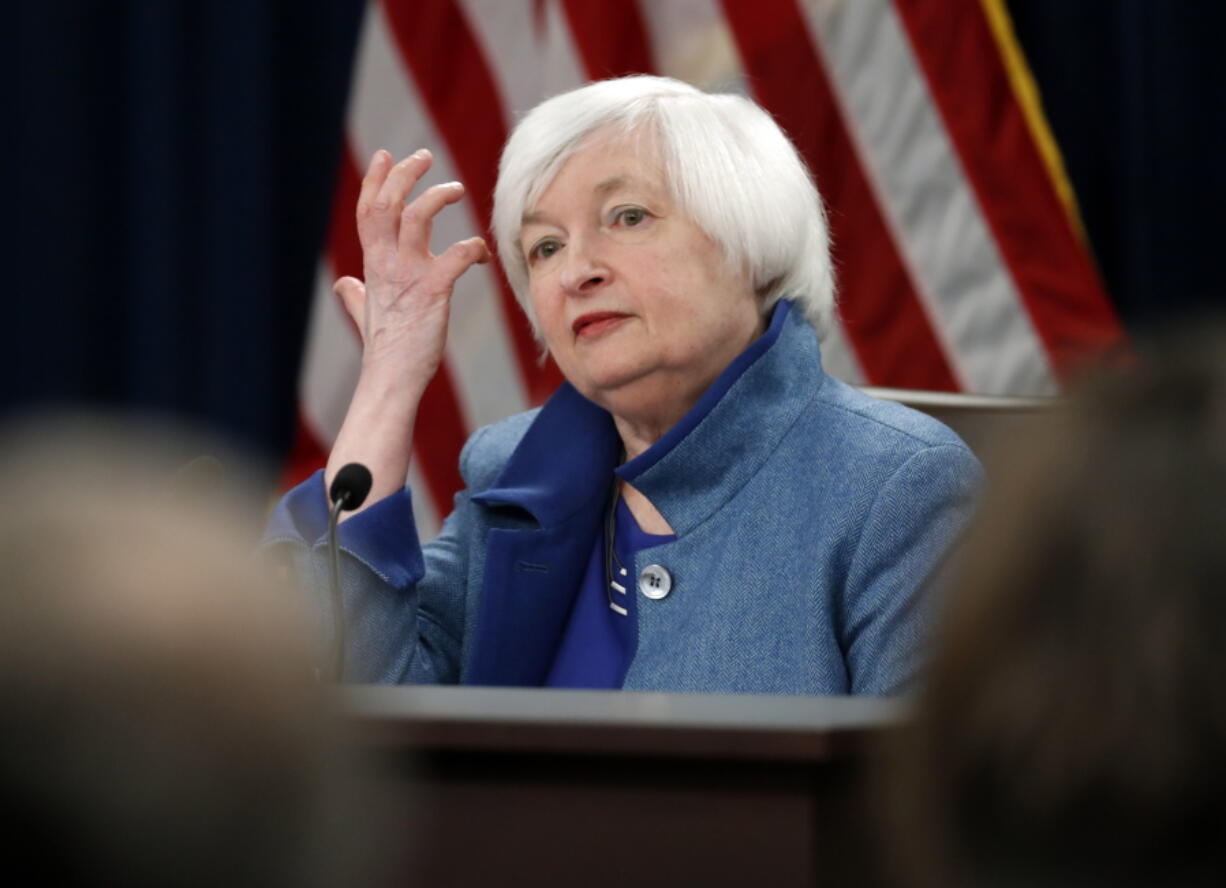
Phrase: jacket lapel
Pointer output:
(544, 510)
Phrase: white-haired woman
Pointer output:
(699, 507)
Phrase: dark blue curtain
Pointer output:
(171, 192)
(1134, 91)
(175, 160)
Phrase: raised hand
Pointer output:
(401, 311)
(402, 308)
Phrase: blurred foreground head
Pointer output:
(161, 720)
(1073, 728)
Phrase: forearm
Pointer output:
(378, 432)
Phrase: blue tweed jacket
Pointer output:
(807, 516)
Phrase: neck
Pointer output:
(639, 434)
(647, 515)
(646, 410)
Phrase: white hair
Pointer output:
(727, 164)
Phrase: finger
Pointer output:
(400, 181)
(352, 293)
(380, 217)
(376, 173)
(416, 218)
(459, 257)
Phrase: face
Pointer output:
(635, 302)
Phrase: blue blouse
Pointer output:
(599, 640)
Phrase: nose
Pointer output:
(584, 272)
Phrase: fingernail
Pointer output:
(453, 185)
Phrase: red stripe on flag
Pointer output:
(438, 438)
(884, 320)
(1054, 274)
(439, 433)
(306, 455)
(437, 46)
(611, 37)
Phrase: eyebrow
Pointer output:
(611, 184)
(603, 188)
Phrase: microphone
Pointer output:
(351, 485)
(348, 491)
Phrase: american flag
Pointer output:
(960, 260)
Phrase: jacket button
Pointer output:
(655, 582)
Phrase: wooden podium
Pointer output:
(591, 788)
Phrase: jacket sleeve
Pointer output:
(915, 517)
(404, 602)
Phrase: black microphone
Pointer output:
(351, 484)
(348, 491)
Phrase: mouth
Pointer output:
(595, 323)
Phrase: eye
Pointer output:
(543, 249)
(630, 217)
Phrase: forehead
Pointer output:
(605, 162)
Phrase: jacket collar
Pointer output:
(565, 458)
(570, 446)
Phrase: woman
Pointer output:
(699, 507)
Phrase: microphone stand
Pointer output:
(338, 605)
(348, 491)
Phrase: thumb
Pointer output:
(353, 297)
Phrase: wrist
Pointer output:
(394, 389)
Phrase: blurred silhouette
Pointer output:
(1073, 726)
(162, 722)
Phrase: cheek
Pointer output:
(664, 279)
(550, 318)
(687, 287)
(544, 308)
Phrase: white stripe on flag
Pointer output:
(506, 33)
(926, 200)
(330, 362)
(527, 65)
(690, 41)
(562, 67)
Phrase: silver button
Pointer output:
(655, 582)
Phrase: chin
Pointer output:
(631, 392)
(610, 381)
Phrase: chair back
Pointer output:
(978, 419)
